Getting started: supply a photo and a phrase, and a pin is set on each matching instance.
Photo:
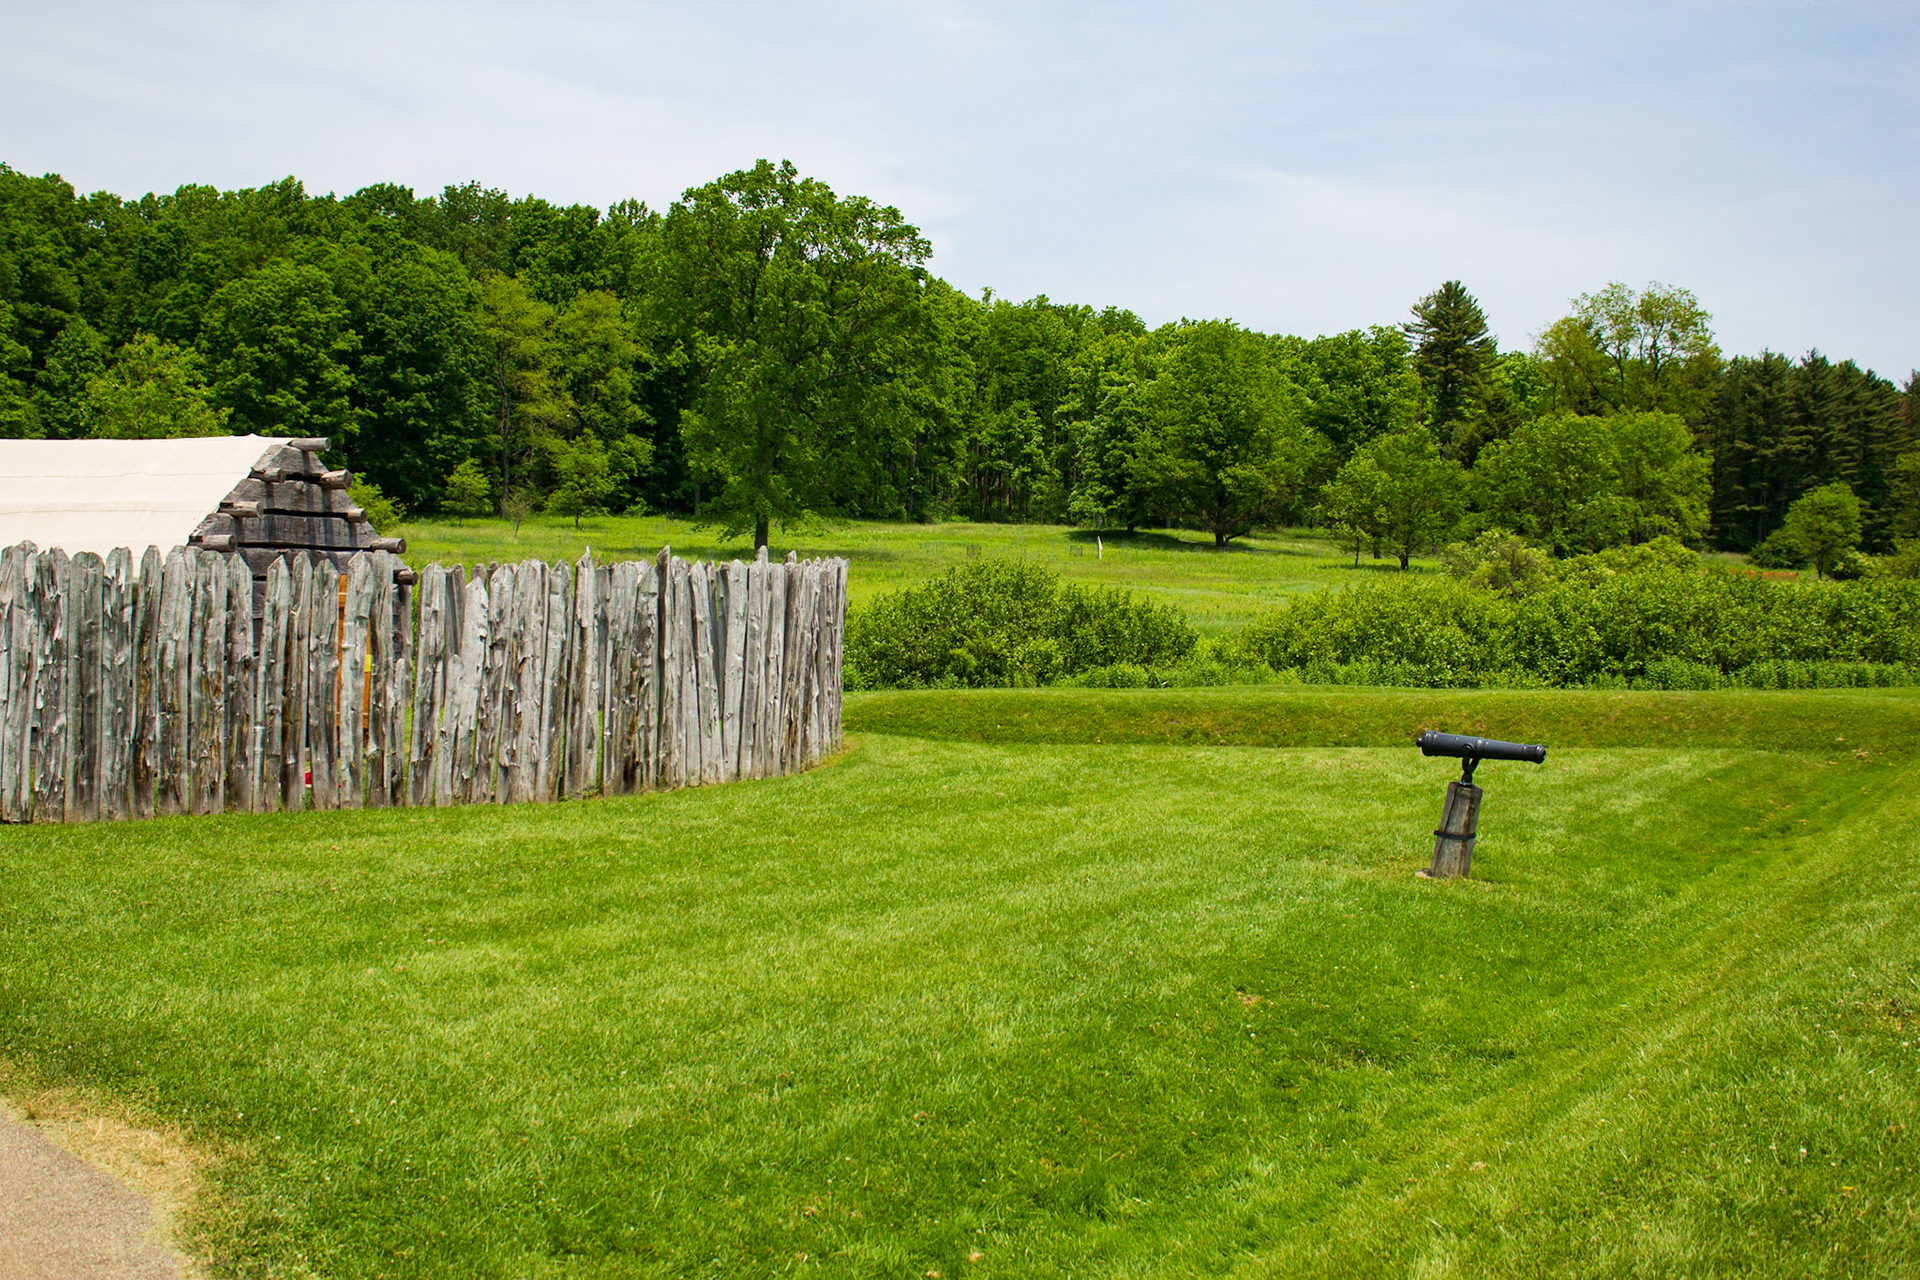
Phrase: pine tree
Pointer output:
(1453, 352)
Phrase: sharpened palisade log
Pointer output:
(706, 679)
(429, 686)
(117, 688)
(323, 685)
(530, 649)
(382, 763)
(15, 682)
(296, 726)
(174, 665)
(616, 767)
(495, 692)
(401, 661)
(145, 763)
(672, 771)
(734, 691)
(771, 765)
(689, 669)
(206, 686)
(270, 678)
(356, 670)
(581, 722)
(792, 665)
(753, 673)
(86, 581)
(602, 662)
(468, 764)
(240, 712)
(646, 708)
(556, 656)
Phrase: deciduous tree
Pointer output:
(1665, 478)
(517, 329)
(1224, 443)
(1555, 481)
(1823, 527)
(801, 308)
(278, 346)
(468, 493)
(153, 390)
(1422, 495)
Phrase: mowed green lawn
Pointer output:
(1158, 1004)
(1220, 590)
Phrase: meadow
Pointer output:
(1042, 983)
(1220, 591)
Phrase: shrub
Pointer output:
(382, 512)
(1498, 561)
(1658, 626)
(999, 623)
(1904, 562)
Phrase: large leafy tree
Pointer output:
(1667, 481)
(1822, 527)
(278, 344)
(1356, 386)
(1556, 481)
(802, 310)
(78, 356)
(1422, 495)
(525, 387)
(1224, 444)
(421, 371)
(1105, 417)
(1625, 350)
(1454, 354)
(153, 390)
(1352, 506)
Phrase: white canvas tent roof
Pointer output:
(95, 495)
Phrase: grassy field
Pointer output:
(1220, 590)
(1151, 990)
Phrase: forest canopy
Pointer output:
(767, 350)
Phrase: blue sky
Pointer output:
(1299, 167)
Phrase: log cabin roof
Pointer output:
(95, 495)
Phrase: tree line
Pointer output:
(765, 350)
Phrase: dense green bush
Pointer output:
(998, 623)
(1663, 625)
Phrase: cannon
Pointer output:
(1459, 818)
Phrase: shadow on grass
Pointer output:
(1388, 567)
(1148, 540)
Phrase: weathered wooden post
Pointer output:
(1460, 817)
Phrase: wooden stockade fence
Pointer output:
(153, 688)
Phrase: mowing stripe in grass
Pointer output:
(1090, 1010)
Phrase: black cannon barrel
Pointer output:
(1461, 746)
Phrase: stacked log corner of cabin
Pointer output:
(291, 504)
(133, 689)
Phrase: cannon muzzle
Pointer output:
(1461, 747)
